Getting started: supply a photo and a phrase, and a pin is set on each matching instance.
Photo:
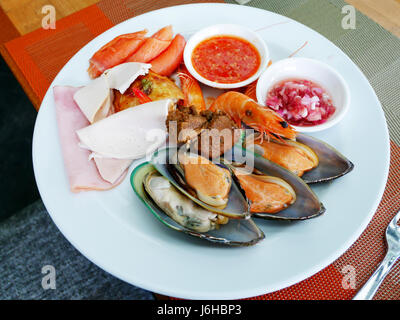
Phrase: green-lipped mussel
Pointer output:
(289, 198)
(180, 213)
(311, 159)
(217, 194)
(266, 190)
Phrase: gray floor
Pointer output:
(29, 240)
(17, 118)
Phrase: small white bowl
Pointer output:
(232, 30)
(320, 73)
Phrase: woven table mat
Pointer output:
(377, 53)
(37, 57)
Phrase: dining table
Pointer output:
(35, 51)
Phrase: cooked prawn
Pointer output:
(191, 89)
(115, 52)
(240, 108)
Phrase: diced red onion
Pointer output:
(300, 102)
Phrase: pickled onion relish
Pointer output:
(300, 102)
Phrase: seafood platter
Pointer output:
(189, 138)
(217, 163)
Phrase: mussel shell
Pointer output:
(307, 204)
(234, 233)
(237, 206)
(332, 164)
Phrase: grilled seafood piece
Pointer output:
(211, 134)
(181, 214)
(155, 86)
(332, 164)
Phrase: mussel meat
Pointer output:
(178, 207)
(292, 155)
(266, 193)
(210, 182)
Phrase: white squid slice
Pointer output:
(95, 99)
(129, 134)
(121, 76)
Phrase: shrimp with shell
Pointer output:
(191, 89)
(241, 108)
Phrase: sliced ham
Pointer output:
(95, 99)
(111, 169)
(82, 173)
(128, 134)
(153, 46)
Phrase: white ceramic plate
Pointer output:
(115, 231)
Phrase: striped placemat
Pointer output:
(37, 57)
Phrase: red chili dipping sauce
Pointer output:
(300, 102)
(226, 59)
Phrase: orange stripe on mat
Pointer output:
(39, 55)
(8, 31)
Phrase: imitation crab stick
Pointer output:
(153, 46)
(115, 52)
(166, 63)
